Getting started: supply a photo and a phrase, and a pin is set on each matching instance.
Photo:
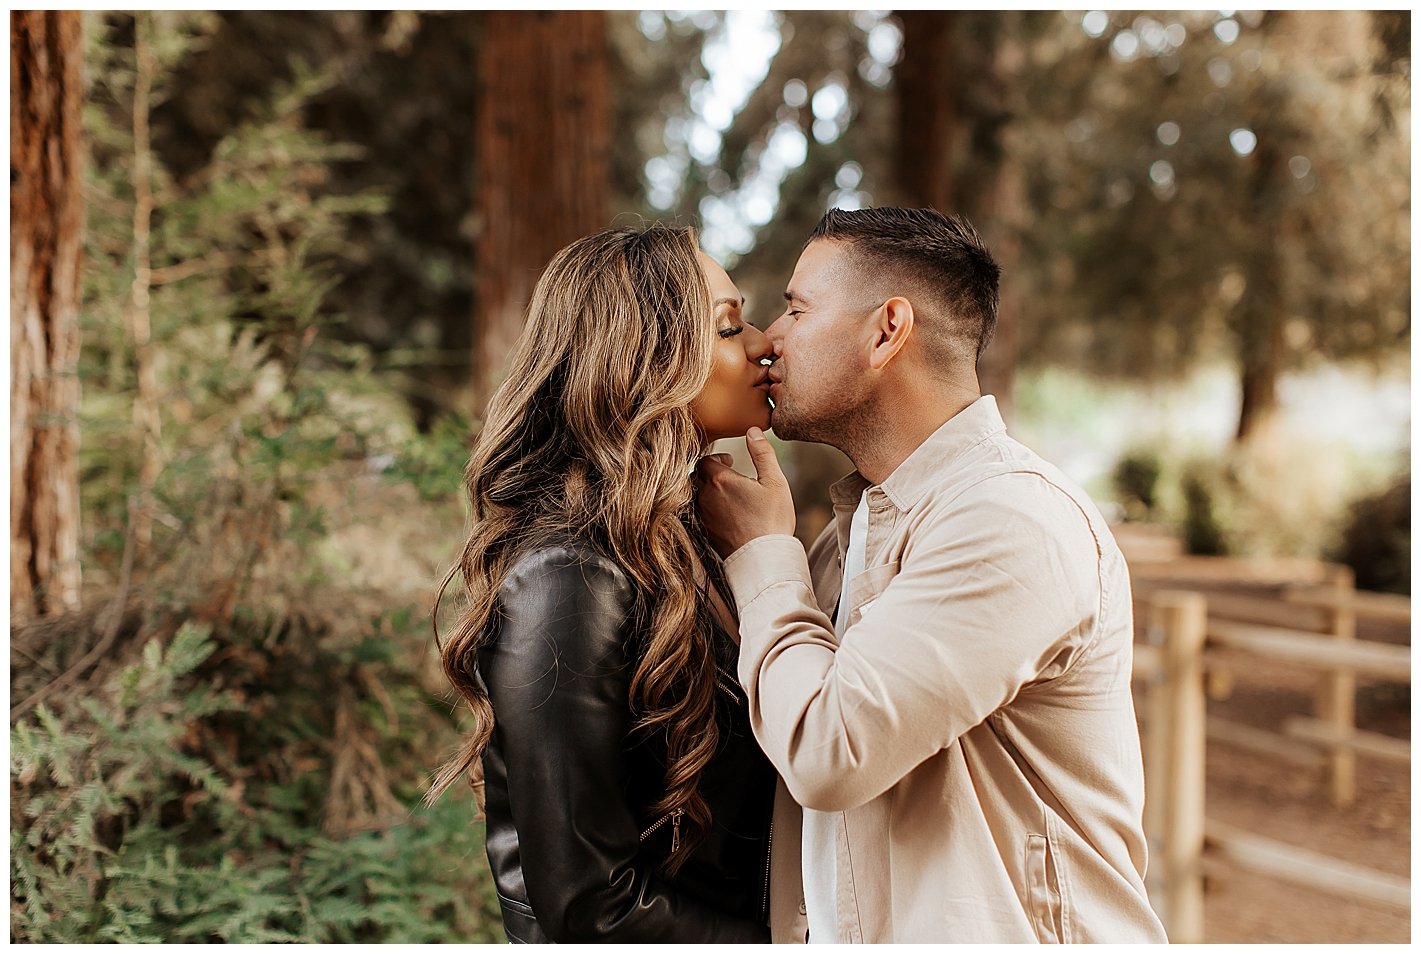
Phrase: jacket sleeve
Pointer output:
(558, 679)
(995, 593)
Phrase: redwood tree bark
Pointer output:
(956, 97)
(543, 171)
(928, 124)
(46, 229)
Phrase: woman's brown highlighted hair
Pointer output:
(592, 433)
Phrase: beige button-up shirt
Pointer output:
(973, 726)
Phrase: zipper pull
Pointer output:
(676, 830)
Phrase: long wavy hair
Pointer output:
(592, 433)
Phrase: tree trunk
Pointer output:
(137, 314)
(1339, 39)
(543, 170)
(1258, 409)
(46, 230)
(1258, 324)
(928, 124)
(1261, 345)
(957, 94)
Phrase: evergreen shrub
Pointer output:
(231, 741)
(1375, 540)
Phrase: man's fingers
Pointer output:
(713, 465)
(767, 465)
(708, 465)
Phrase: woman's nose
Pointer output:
(757, 345)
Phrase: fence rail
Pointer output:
(1190, 633)
(1288, 645)
(1310, 869)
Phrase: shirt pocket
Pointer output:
(865, 588)
(1043, 890)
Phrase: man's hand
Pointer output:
(735, 509)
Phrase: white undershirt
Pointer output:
(821, 828)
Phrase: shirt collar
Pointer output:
(910, 480)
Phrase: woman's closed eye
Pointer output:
(731, 331)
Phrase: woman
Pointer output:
(625, 796)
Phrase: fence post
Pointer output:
(1176, 760)
(1337, 692)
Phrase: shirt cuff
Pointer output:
(763, 563)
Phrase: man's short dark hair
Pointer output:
(940, 255)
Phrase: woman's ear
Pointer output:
(893, 322)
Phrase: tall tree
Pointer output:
(46, 219)
(542, 162)
(958, 94)
(1216, 186)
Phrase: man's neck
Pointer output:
(899, 427)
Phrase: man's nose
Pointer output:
(757, 345)
(776, 334)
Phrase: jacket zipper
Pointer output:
(675, 819)
(765, 898)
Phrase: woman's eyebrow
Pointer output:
(738, 303)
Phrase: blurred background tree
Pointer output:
(1280, 137)
(1213, 185)
(46, 236)
(541, 158)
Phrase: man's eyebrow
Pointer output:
(793, 296)
(738, 303)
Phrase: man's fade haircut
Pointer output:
(941, 255)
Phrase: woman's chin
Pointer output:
(760, 419)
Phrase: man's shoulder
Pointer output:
(999, 467)
(1003, 479)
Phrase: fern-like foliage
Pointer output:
(241, 767)
(122, 831)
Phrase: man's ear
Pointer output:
(893, 323)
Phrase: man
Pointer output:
(944, 681)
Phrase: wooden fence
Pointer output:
(1193, 639)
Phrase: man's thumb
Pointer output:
(762, 454)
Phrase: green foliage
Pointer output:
(124, 828)
(242, 254)
(1296, 503)
(1202, 529)
(1136, 479)
(1376, 538)
(434, 463)
(1186, 201)
(244, 763)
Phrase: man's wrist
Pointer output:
(762, 562)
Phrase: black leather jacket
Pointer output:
(575, 852)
